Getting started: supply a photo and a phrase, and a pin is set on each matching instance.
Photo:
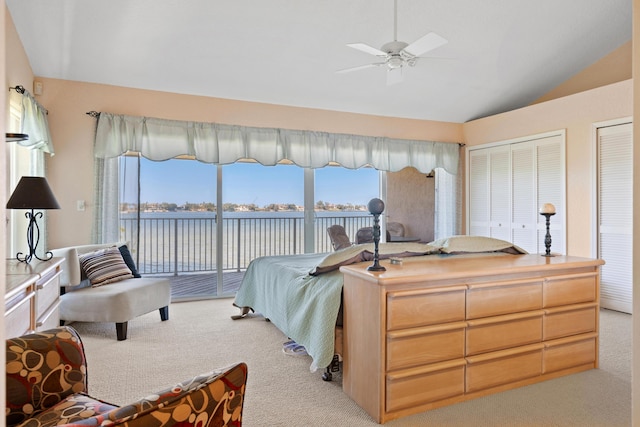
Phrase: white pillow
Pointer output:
(467, 244)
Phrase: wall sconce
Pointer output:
(15, 137)
(32, 192)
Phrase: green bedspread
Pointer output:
(303, 307)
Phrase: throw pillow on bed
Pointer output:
(105, 266)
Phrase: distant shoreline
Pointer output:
(241, 214)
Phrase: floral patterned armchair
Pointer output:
(46, 384)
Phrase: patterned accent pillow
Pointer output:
(105, 266)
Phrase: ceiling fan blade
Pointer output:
(360, 67)
(367, 49)
(394, 76)
(425, 43)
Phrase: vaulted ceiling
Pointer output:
(500, 54)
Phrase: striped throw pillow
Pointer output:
(105, 266)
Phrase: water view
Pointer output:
(177, 228)
(169, 242)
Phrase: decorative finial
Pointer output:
(376, 207)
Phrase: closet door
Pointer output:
(615, 215)
(550, 184)
(478, 193)
(524, 209)
(509, 182)
(500, 193)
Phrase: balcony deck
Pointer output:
(202, 285)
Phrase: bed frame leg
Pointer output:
(334, 366)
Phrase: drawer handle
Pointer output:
(505, 353)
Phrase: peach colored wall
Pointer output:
(613, 68)
(18, 68)
(70, 171)
(576, 114)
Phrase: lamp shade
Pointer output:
(32, 192)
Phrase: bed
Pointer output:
(302, 294)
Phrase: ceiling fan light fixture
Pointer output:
(395, 61)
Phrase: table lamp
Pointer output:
(32, 192)
(376, 207)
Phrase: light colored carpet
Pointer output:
(281, 391)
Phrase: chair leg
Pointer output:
(121, 331)
(164, 313)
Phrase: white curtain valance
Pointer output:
(35, 124)
(161, 139)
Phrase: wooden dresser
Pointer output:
(32, 296)
(433, 332)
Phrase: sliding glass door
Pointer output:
(168, 217)
(341, 197)
(262, 212)
(202, 224)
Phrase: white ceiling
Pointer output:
(501, 54)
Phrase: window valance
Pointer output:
(161, 139)
(34, 123)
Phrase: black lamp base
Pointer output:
(33, 237)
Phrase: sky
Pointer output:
(180, 181)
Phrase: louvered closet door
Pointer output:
(550, 173)
(479, 193)
(523, 210)
(615, 215)
(500, 193)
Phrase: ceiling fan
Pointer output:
(397, 54)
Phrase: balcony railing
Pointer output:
(174, 245)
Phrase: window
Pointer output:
(182, 216)
(341, 197)
(21, 161)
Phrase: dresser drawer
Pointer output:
(435, 382)
(503, 367)
(425, 345)
(48, 293)
(50, 318)
(17, 318)
(493, 299)
(500, 332)
(570, 320)
(569, 352)
(569, 289)
(406, 309)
